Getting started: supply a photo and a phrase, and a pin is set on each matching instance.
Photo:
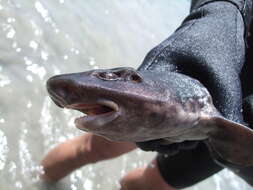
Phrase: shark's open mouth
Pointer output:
(96, 115)
(100, 108)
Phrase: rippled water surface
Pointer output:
(39, 39)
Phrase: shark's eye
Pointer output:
(108, 76)
(135, 78)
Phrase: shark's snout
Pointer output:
(75, 91)
(62, 90)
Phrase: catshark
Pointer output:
(123, 104)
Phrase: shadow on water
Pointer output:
(44, 38)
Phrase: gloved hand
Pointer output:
(208, 46)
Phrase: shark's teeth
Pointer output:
(109, 104)
(98, 108)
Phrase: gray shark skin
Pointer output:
(123, 104)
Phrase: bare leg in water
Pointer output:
(87, 149)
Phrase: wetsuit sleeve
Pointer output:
(210, 46)
(244, 6)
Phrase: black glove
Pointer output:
(208, 46)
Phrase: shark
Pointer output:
(124, 104)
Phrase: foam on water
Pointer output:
(43, 38)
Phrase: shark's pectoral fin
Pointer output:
(231, 141)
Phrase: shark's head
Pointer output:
(123, 104)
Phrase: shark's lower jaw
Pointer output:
(96, 115)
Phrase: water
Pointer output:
(43, 38)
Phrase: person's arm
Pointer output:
(63, 159)
(79, 151)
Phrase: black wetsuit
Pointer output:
(210, 46)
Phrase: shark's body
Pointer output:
(123, 104)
